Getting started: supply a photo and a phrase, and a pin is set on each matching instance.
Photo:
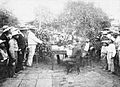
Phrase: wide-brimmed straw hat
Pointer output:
(6, 28)
(15, 33)
(1, 41)
(31, 27)
(23, 29)
(13, 29)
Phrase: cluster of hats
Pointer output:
(12, 29)
(107, 36)
(16, 31)
(6, 28)
(27, 27)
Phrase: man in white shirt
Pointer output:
(117, 43)
(32, 42)
(111, 52)
(87, 45)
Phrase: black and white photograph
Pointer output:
(59, 43)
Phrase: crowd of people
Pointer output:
(17, 47)
(110, 50)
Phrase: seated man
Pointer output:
(74, 60)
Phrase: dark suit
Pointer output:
(22, 46)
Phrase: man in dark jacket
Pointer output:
(6, 36)
(21, 44)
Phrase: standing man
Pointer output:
(13, 49)
(21, 44)
(32, 42)
(111, 52)
(104, 56)
(117, 43)
(6, 35)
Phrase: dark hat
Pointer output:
(106, 28)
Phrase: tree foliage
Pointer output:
(7, 18)
(83, 18)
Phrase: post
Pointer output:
(52, 61)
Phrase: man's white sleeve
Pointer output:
(114, 52)
(37, 40)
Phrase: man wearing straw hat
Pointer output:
(13, 49)
(117, 43)
(111, 52)
(6, 35)
(19, 37)
(32, 42)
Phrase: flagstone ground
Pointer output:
(41, 75)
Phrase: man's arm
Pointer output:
(35, 38)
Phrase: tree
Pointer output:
(7, 18)
(43, 17)
(83, 18)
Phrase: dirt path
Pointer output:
(42, 76)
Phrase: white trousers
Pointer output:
(119, 56)
(31, 54)
(110, 62)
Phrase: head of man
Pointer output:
(2, 45)
(15, 34)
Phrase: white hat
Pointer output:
(1, 41)
(13, 29)
(87, 40)
(32, 27)
(25, 28)
(6, 28)
(115, 23)
(105, 41)
(15, 33)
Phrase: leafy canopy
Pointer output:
(82, 18)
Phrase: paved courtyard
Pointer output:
(42, 76)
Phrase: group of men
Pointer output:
(109, 50)
(14, 43)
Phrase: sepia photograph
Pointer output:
(59, 43)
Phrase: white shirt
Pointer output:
(111, 49)
(117, 42)
(4, 54)
(104, 49)
(32, 39)
(69, 52)
(87, 46)
(13, 45)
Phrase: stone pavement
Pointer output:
(42, 76)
